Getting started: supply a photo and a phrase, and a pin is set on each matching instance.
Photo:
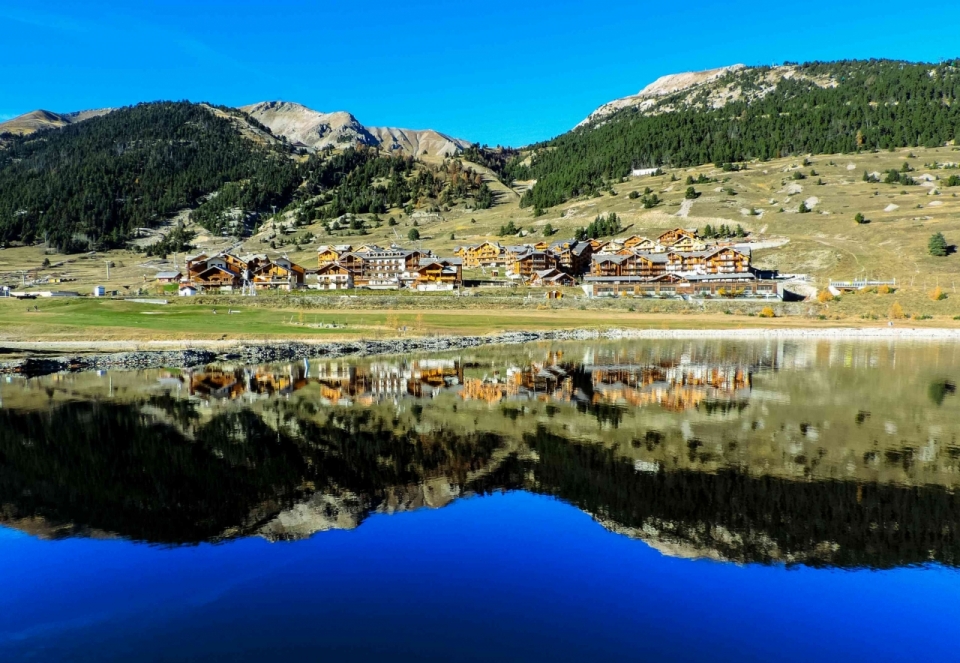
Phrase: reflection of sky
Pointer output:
(508, 577)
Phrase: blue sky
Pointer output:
(493, 72)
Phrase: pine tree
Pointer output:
(938, 245)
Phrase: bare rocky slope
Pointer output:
(318, 130)
(712, 88)
(44, 119)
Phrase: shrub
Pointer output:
(937, 294)
(633, 195)
(860, 218)
(691, 193)
(896, 312)
(767, 312)
(413, 235)
(825, 296)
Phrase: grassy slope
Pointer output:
(825, 244)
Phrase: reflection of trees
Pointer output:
(939, 390)
(113, 468)
(108, 467)
(757, 519)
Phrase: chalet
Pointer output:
(487, 254)
(217, 276)
(529, 262)
(671, 237)
(572, 256)
(719, 260)
(187, 290)
(434, 274)
(607, 265)
(226, 271)
(551, 278)
(282, 273)
(579, 259)
(638, 243)
(380, 270)
(334, 276)
(328, 254)
(169, 277)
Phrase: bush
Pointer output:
(896, 312)
(633, 195)
(825, 296)
(391, 221)
(510, 228)
(413, 235)
(937, 294)
(884, 290)
(860, 218)
(691, 193)
(767, 312)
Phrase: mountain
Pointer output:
(36, 120)
(710, 89)
(93, 183)
(299, 124)
(737, 114)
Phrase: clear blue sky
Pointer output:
(493, 72)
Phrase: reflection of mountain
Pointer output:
(159, 472)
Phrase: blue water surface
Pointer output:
(508, 577)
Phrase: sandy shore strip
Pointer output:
(753, 333)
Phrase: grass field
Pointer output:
(113, 320)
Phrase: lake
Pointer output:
(638, 500)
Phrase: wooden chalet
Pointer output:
(548, 278)
(334, 276)
(434, 274)
(526, 264)
(671, 237)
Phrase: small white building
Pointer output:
(187, 290)
(99, 291)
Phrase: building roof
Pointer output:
(169, 275)
(610, 257)
(652, 257)
(429, 260)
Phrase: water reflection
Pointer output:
(821, 454)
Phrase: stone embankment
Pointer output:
(272, 352)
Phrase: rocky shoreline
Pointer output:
(267, 352)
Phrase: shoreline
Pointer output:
(46, 357)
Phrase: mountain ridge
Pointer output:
(319, 130)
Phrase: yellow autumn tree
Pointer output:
(937, 294)
(896, 312)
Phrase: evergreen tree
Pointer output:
(938, 245)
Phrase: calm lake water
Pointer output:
(654, 501)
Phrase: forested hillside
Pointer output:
(827, 108)
(92, 185)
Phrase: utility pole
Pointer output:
(107, 262)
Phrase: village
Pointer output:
(676, 263)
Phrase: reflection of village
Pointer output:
(674, 384)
